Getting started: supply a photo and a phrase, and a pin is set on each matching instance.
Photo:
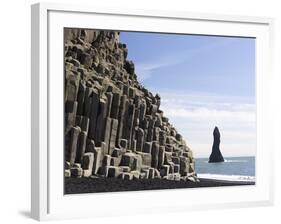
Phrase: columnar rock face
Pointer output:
(216, 155)
(113, 125)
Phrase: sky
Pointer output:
(203, 82)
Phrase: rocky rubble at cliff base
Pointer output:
(113, 125)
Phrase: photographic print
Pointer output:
(154, 111)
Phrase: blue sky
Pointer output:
(203, 81)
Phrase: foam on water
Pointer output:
(235, 161)
(231, 161)
(226, 177)
(233, 168)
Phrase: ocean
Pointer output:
(233, 169)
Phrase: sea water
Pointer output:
(232, 169)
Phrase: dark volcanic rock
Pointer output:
(113, 125)
(216, 155)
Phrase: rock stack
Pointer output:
(216, 155)
(113, 125)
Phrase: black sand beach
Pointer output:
(96, 185)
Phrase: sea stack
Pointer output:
(216, 155)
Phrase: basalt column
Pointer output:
(114, 127)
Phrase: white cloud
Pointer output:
(145, 70)
(203, 114)
(195, 117)
(228, 150)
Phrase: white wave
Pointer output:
(231, 161)
(235, 161)
(226, 177)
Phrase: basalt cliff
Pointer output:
(113, 125)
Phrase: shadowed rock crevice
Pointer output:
(113, 124)
(216, 155)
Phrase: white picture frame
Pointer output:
(48, 201)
